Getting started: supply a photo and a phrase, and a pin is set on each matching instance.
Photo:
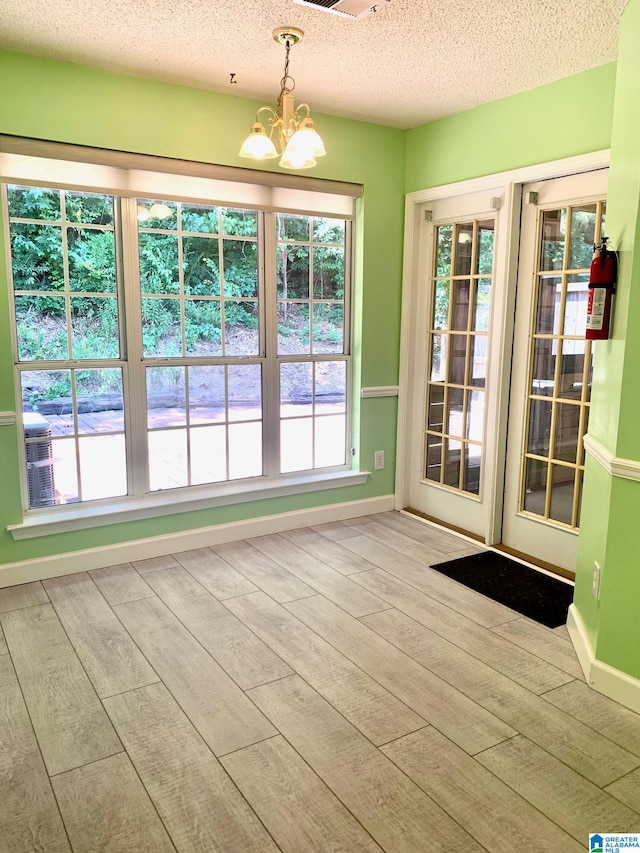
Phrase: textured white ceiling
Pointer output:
(412, 62)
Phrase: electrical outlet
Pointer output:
(595, 580)
(378, 460)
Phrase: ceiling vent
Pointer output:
(353, 9)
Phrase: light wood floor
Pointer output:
(318, 690)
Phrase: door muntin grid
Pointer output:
(458, 333)
(560, 364)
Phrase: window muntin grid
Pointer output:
(560, 364)
(201, 444)
(458, 336)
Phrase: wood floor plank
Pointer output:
(154, 564)
(400, 817)
(560, 793)
(460, 718)
(199, 805)
(587, 752)
(29, 818)
(318, 575)
(488, 809)
(436, 539)
(111, 659)
(542, 642)
(238, 650)
(612, 720)
(328, 551)
(297, 808)
(459, 598)
(3, 644)
(562, 631)
(402, 544)
(69, 720)
(216, 706)
(516, 663)
(266, 574)
(105, 808)
(334, 530)
(627, 790)
(120, 583)
(215, 574)
(364, 702)
(23, 595)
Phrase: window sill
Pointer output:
(67, 519)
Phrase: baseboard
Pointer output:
(158, 546)
(608, 680)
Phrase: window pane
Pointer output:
(583, 230)
(330, 386)
(240, 223)
(330, 446)
(241, 327)
(159, 263)
(434, 457)
(544, 366)
(457, 359)
(47, 393)
(575, 314)
(100, 399)
(460, 304)
(484, 259)
(296, 444)
(200, 218)
(296, 389)
(292, 269)
(328, 272)
(245, 450)
(539, 427)
(167, 459)
(202, 328)
(562, 486)
(439, 345)
(94, 327)
(208, 454)
(554, 225)
(291, 227)
(293, 328)
(475, 416)
(328, 230)
(41, 328)
(480, 322)
(200, 263)
(92, 260)
(103, 466)
(463, 238)
(471, 472)
(166, 399)
(161, 331)
(89, 208)
(33, 203)
(453, 450)
(36, 256)
(436, 408)
(245, 392)
(565, 444)
(548, 313)
(206, 394)
(535, 486)
(441, 305)
(455, 401)
(51, 472)
(572, 369)
(154, 213)
(240, 268)
(328, 326)
(443, 251)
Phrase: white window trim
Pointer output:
(31, 162)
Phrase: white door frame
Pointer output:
(506, 186)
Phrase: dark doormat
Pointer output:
(531, 593)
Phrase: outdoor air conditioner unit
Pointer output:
(42, 490)
(354, 9)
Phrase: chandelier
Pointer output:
(292, 136)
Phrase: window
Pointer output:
(165, 344)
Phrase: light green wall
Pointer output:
(538, 126)
(59, 101)
(611, 505)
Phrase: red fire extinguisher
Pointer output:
(602, 286)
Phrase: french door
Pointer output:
(499, 372)
(552, 367)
